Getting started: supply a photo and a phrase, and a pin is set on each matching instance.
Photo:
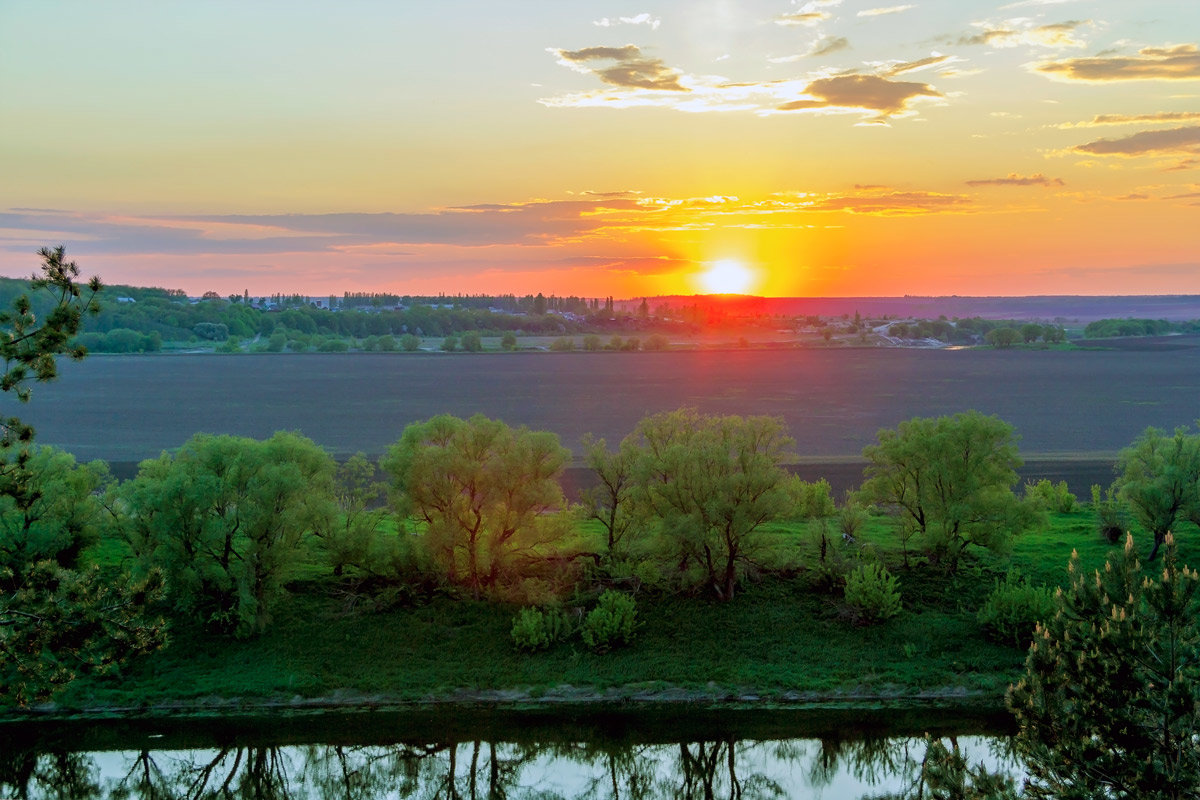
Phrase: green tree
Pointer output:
(58, 620)
(712, 482)
(1031, 332)
(450, 344)
(611, 500)
(1003, 337)
(224, 518)
(1108, 704)
(950, 479)
(486, 492)
(508, 341)
(1159, 478)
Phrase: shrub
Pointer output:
(592, 342)
(657, 342)
(408, 343)
(450, 344)
(534, 629)
(277, 342)
(632, 343)
(615, 343)
(813, 500)
(562, 344)
(1109, 519)
(472, 342)
(872, 594)
(850, 518)
(333, 346)
(508, 341)
(611, 623)
(1013, 610)
(1049, 496)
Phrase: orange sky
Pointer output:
(828, 147)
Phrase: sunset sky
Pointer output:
(830, 147)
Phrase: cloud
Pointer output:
(883, 202)
(1018, 32)
(1178, 63)
(915, 66)
(1185, 140)
(867, 92)
(640, 19)
(829, 44)
(1134, 119)
(631, 69)
(879, 12)
(1013, 179)
(806, 18)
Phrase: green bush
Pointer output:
(872, 594)
(472, 342)
(408, 343)
(1109, 519)
(1013, 609)
(851, 517)
(1049, 496)
(657, 342)
(562, 344)
(813, 500)
(592, 343)
(333, 346)
(534, 629)
(450, 344)
(611, 623)
(508, 341)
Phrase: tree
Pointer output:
(611, 501)
(1159, 477)
(1002, 338)
(57, 620)
(508, 341)
(1031, 332)
(472, 342)
(486, 492)
(951, 479)
(1109, 704)
(712, 482)
(224, 519)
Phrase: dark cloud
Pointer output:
(1147, 143)
(631, 70)
(869, 92)
(1179, 63)
(1013, 179)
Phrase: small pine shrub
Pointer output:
(850, 518)
(1107, 508)
(534, 629)
(1013, 610)
(1055, 497)
(872, 593)
(611, 623)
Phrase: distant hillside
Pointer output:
(1066, 308)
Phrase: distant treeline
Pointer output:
(1107, 328)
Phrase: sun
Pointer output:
(727, 277)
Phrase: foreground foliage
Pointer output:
(1109, 705)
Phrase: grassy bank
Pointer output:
(782, 638)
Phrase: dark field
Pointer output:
(1067, 406)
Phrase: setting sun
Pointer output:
(727, 277)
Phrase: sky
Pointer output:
(625, 148)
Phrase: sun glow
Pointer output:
(727, 277)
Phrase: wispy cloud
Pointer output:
(879, 12)
(1161, 117)
(1013, 179)
(916, 66)
(806, 18)
(1024, 32)
(1177, 63)
(641, 19)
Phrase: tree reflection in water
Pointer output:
(721, 768)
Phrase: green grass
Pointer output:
(780, 635)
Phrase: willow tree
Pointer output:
(711, 483)
(950, 479)
(1159, 477)
(487, 494)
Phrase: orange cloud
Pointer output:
(867, 92)
(1133, 119)
(1179, 63)
(1185, 140)
(1013, 179)
(631, 69)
